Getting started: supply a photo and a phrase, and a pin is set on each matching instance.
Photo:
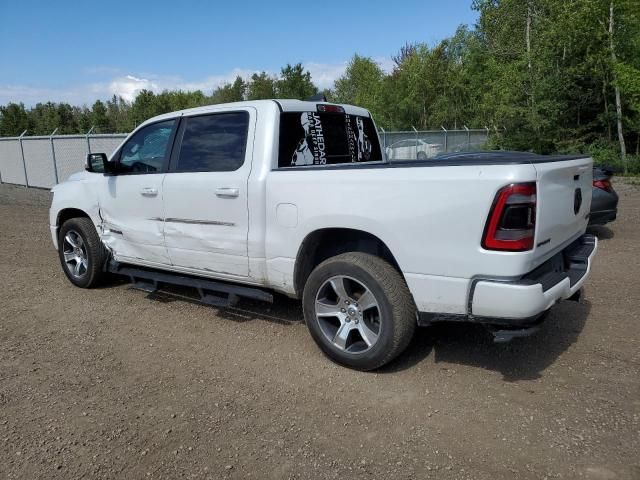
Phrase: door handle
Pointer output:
(149, 192)
(227, 192)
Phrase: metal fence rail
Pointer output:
(45, 161)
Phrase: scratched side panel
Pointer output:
(204, 231)
(133, 223)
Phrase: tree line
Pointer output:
(545, 75)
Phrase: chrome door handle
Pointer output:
(149, 192)
(227, 192)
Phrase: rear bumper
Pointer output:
(517, 303)
(602, 217)
(604, 206)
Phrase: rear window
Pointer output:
(318, 138)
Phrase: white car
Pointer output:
(243, 199)
(412, 148)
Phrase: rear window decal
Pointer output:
(317, 138)
(311, 148)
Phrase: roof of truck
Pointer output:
(285, 105)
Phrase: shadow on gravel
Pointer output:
(600, 231)
(472, 345)
(450, 342)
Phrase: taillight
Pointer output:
(512, 219)
(602, 185)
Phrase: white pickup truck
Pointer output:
(296, 197)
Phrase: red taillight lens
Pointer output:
(602, 185)
(512, 219)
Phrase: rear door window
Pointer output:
(322, 138)
(212, 143)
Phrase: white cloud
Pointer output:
(213, 81)
(325, 74)
(128, 85)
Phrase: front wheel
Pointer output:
(81, 252)
(359, 310)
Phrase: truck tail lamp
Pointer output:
(603, 185)
(512, 219)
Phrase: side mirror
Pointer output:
(97, 163)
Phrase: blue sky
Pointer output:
(80, 51)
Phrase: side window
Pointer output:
(147, 150)
(213, 143)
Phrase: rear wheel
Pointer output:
(359, 310)
(81, 252)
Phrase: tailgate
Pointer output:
(564, 201)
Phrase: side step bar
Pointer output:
(218, 294)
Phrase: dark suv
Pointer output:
(604, 201)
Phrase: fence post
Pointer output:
(384, 143)
(1, 182)
(468, 137)
(87, 135)
(53, 156)
(24, 165)
(414, 129)
(446, 147)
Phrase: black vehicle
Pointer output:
(604, 202)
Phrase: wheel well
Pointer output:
(69, 213)
(329, 242)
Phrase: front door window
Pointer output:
(147, 150)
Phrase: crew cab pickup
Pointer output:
(296, 197)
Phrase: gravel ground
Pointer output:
(114, 383)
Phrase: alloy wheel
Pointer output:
(75, 254)
(348, 314)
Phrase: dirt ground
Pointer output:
(114, 383)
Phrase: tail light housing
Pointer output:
(511, 223)
(603, 185)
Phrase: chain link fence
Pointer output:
(421, 145)
(46, 161)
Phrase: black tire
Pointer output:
(422, 156)
(397, 310)
(91, 247)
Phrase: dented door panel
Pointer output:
(204, 231)
(132, 217)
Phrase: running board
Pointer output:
(218, 294)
